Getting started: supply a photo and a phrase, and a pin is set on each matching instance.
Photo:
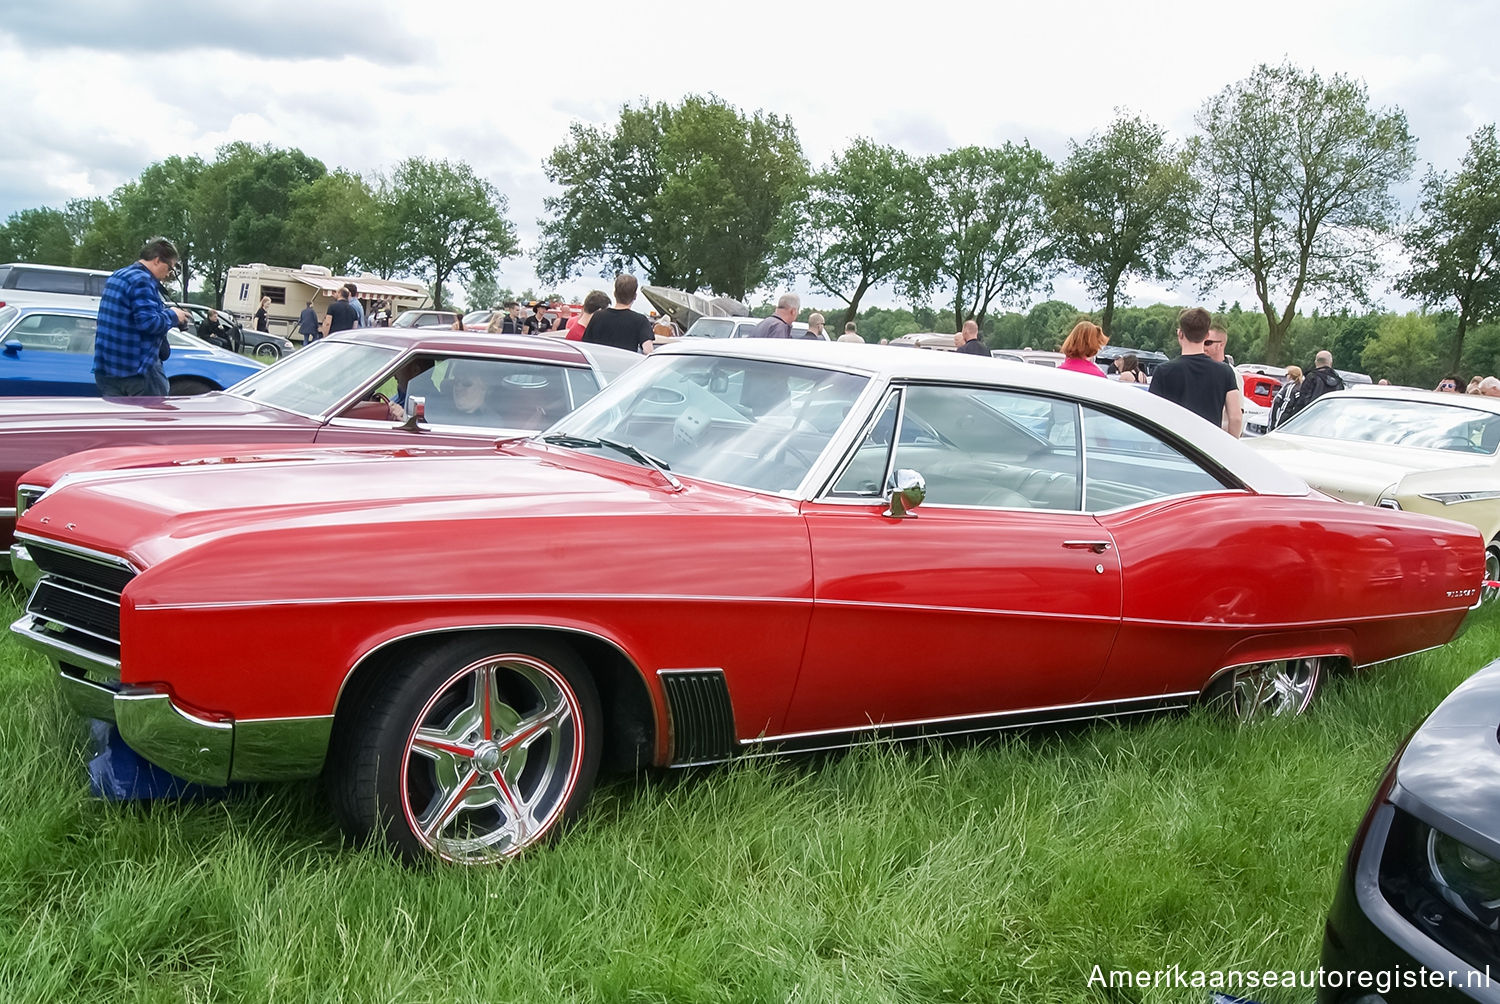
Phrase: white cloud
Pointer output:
(99, 92)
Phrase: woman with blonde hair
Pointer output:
(262, 318)
(1081, 346)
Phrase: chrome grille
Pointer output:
(26, 496)
(77, 600)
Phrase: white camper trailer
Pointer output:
(291, 289)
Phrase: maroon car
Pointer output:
(354, 387)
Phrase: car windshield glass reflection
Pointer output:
(754, 423)
(313, 380)
(1402, 423)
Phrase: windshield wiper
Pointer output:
(635, 453)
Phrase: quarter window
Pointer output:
(1127, 465)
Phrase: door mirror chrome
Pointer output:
(908, 492)
(416, 414)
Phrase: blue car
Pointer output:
(49, 351)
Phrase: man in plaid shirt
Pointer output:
(133, 321)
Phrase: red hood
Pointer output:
(147, 513)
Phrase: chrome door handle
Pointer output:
(1097, 546)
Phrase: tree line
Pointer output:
(434, 219)
(1287, 188)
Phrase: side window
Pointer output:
(96, 283)
(479, 392)
(48, 281)
(973, 447)
(1126, 465)
(55, 333)
(276, 293)
(990, 448)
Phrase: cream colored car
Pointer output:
(1406, 449)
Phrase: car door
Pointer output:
(997, 594)
(1193, 549)
(49, 355)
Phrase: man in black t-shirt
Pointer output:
(340, 316)
(619, 325)
(538, 322)
(1197, 382)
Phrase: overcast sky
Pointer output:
(99, 91)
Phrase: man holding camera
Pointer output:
(131, 341)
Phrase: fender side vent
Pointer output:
(702, 717)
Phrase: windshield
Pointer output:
(754, 423)
(1420, 424)
(314, 379)
(711, 327)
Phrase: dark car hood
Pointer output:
(1449, 772)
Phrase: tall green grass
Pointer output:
(1002, 870)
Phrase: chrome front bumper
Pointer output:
(23, 567)
(203, 750)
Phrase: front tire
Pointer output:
(472, 752)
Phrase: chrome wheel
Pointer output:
(1487, 594)
(268, 350)
(493, 759)
(1274, 689)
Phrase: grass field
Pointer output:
(1002, 870)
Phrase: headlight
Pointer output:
(1454, 498)
(1466, 878)
(1444, 888)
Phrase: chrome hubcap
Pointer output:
(1491, 574)
(492, 759)
(1274, 689)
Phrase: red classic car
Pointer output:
(738, 547)
(334, 391)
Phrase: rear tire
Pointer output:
(1487, 594)
(1283, 688)
(269, 351)
(188, 386)
(471, 752)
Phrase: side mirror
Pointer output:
(13, 347)
(909, 491)
(416, 414)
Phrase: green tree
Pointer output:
(1454, 246)
(1404, 351)
(695, 195)
(452, 222)
(335, 214)
(261, 185)
(160, 204)
(1120, 208)
(853, 226)
(37, 235)
(983, 232)
(1295, 176)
